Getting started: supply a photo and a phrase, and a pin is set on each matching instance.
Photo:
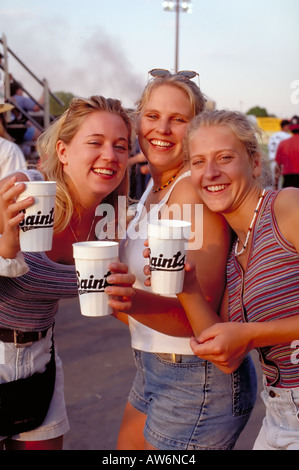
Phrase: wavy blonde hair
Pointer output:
(65, 128)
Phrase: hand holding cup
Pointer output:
(121, 289)
(167, 241)
(104, 283)
(36, 228)
(12, 211)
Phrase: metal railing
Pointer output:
(47, 118)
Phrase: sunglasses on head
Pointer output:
(160, 73)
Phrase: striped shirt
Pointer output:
(268, 290)
(30, 302)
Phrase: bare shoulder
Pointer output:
(286, 211)
(184, 192)
(287, 203)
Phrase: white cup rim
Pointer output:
(169, 229)
(96, 243)
(38, 188)
(98, 249)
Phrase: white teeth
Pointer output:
(161, 143)
(103, 171)
(219, 187)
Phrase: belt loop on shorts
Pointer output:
(171, 357)
(176, 358)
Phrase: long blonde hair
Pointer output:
(65, 128)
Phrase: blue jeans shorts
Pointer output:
(18, 363)
(280, 428)
(190, 404)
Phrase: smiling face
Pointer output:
(162, 126)
(221, 169)
(96, 158)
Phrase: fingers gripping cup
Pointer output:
(167, 243)
(36, 230)
(91, 260)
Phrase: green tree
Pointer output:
(258, 111)
(55, 108)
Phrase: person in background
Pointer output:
(177, 400)
(86, 152)
(287, 157)
(26, 104)
(11, 156)
(261, 301)
(275, 140)
(139, 175)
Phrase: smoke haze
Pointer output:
(97, 63)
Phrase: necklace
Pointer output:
(74, 235)
(168, 182)
(250, 228)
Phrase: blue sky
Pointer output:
(246, 52)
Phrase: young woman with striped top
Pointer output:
(262, 271)
(86, 152)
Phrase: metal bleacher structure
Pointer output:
(40, 119)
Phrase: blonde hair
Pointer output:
(65, 128)
(241, 125)
(197, 99)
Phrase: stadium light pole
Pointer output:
(177, 6)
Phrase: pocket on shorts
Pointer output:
(244, 387)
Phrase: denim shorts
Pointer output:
(192, 405)
(280, 428)
(22, 362)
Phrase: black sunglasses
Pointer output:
(160, 73)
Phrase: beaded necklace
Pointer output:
(168, 182)
(250, 227)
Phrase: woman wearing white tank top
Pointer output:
(177, 400)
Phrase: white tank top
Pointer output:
(131, 248)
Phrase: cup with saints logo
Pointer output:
(36, 229)
(91, 260)
(168, 241)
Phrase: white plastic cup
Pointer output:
(91, 260)
(167, 243)
(36, 230)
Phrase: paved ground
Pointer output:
(99, 369)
